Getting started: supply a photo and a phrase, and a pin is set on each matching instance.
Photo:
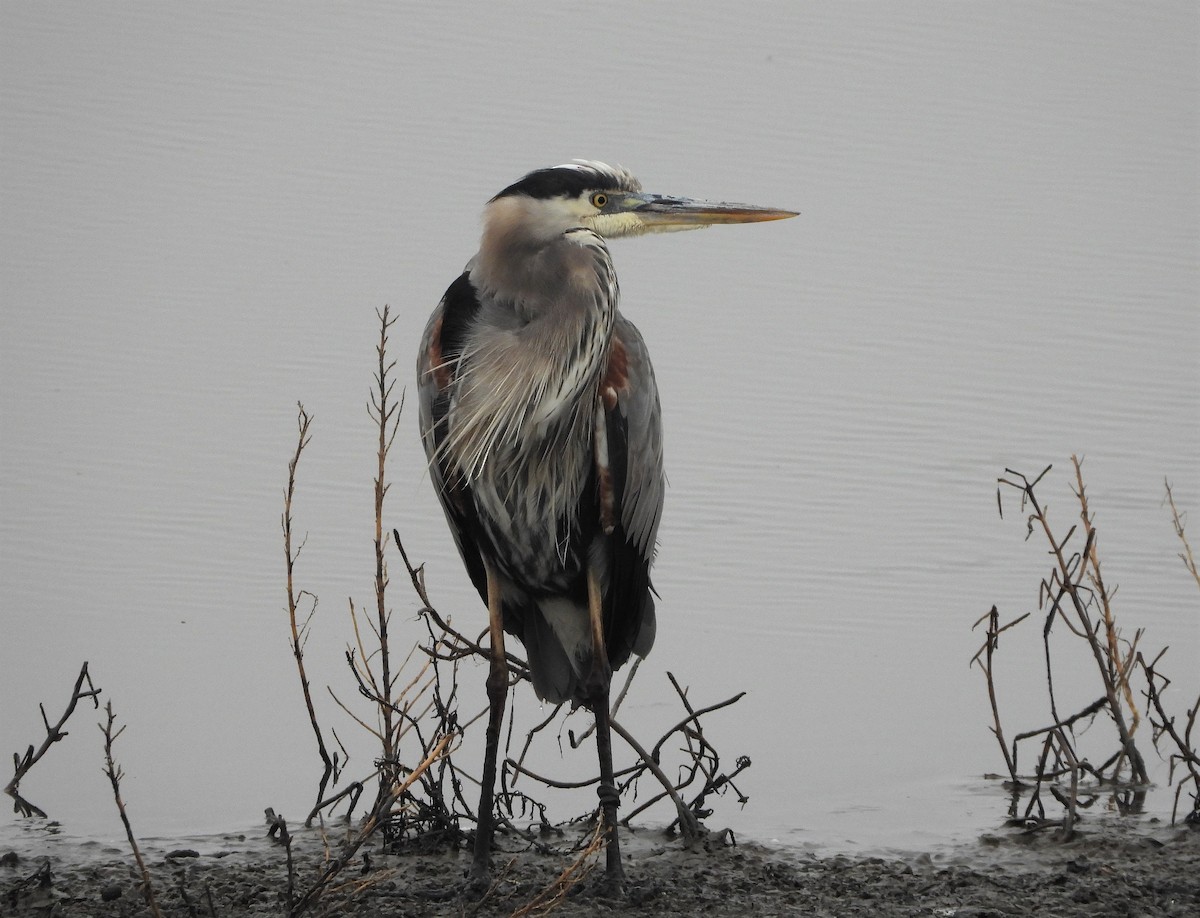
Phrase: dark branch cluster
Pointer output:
(1073, 597)
(54, 733)
(1179, 747)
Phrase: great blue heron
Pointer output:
(540, 418)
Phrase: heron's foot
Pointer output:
(479, 877)
(612, 885)
(479, 881)
(629, 893)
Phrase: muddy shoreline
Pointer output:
(1105, 871)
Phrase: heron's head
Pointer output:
(549, 202)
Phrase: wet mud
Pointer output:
(1100, 873)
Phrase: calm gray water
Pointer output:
(996, 265)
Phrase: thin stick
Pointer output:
(1177, 521)
(1116, 661)
(987, 651)
(379, 812)
(329, 763)
(385, 413)
(1164, 724)
(689, 826)
(556, 891)
(115, 774)
(1065, 583)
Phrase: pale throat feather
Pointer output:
(527, 390)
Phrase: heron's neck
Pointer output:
(532, 365)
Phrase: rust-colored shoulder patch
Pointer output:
(616, 374)
(438, 368)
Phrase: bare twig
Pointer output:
(689, 825)
(453, 644)
(1184, 754)
(385, 412)
(278, 830)
(703, 754)
(693, 716)
(1065, 590)
(983, 658)
(330, 763)
(1075, 595)
(555, 893)
(355, 840)
(1116, 665)
(114, 773)
(54, 732)
(1178, 520)
(1072, 798)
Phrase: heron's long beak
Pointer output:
(660, 212)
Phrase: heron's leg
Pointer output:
(598, 692)
(497, 690)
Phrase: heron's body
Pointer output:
(540, 417)
(527, 463)
(532, 381)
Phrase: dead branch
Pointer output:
(1065, 590)
(37, 884)
(352, 791)
(557, 784)
(983, 658)
(1064, 724)
(385, 412)
(1178, 520)
(356, 839)
(402, 704)
(1072, 799)
(1184, 754)
(693, 716)
(330, 764)
(278, 830)
(458, 645)
(54, 732)
(689, 826)
(1074, 595)
(115, 773)
(1115, 664)
(555, 893)
(704, 757)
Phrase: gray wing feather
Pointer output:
(636, 454)
(638, 403)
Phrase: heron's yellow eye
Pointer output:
(599, 199)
